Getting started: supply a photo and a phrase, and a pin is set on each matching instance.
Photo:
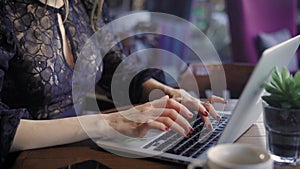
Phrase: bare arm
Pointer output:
(152, 84)
(43, 133)
(160, 114)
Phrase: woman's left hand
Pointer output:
(194, 104)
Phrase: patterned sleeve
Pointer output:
(9, 118)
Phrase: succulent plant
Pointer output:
(283, 89)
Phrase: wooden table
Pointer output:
(56, 157)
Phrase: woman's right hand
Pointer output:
(161, 114)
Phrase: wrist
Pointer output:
(113, 123)
(111, 120)
(153, 84)
(168, 90)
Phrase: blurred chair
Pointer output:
(249, 18)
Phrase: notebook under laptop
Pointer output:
(172, 147)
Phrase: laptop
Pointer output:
(171, 146)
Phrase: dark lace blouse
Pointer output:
(35, 78)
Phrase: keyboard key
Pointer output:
(193, 146)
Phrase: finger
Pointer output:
(201, 108)
(178, 99)
(216, 99)
(171, 113)
(212, 111)
(180, 108)
(207, 122)
(173, 125)
(155, 113)
(195, 105)
(172, 104)
(151, 124)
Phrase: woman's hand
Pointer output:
(161, 114)
(181, 96)
(204, 108)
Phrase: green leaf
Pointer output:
(275, 85)
(297, 81)
(285, 73)
(286, 82)
(279, 97)
(273, 100)
(297, 96)
(286, 105)
(289, 87)
(276, 79)
(297, 77)
(276, 74)
(271, 89)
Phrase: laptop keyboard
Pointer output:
(193, 146)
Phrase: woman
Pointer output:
(40, 42)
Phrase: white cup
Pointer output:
(235, 156)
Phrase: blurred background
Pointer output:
(239, 30)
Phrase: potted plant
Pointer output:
(282, 116)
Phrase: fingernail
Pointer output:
(206, 113)
(167, 129)
(191, 114)
(219, 117)
(187, 135)
(191, 129)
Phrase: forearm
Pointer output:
(32, 134)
